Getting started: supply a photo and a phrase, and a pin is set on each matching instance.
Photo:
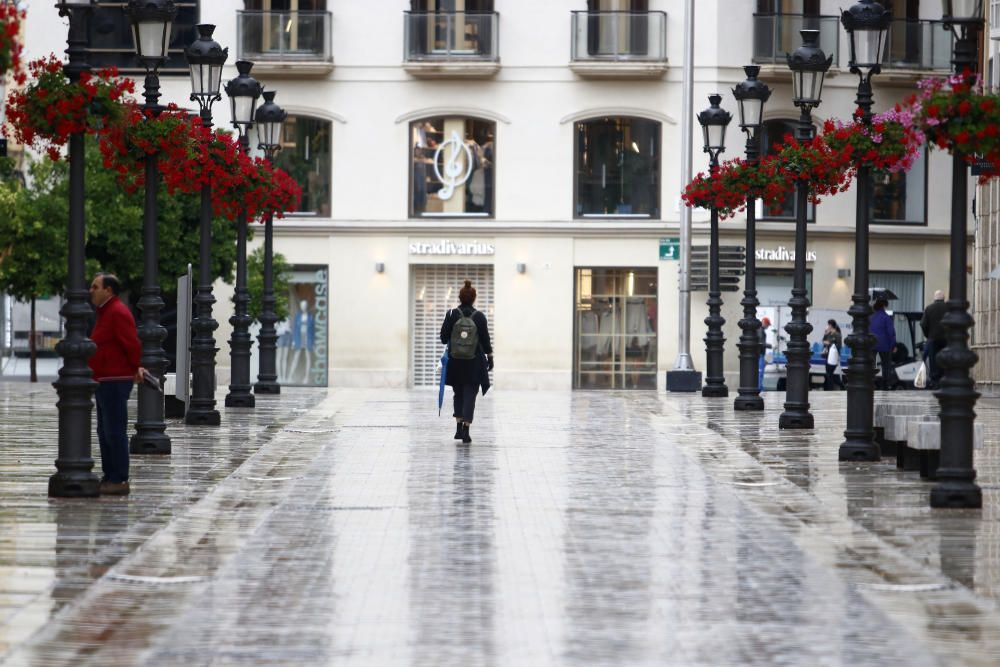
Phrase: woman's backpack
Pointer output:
(464, 341)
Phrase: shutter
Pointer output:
(435, 290)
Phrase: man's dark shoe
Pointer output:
(466, 438)
(113, 489)
(458, 431)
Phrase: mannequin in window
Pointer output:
(303, 340)
(284, 332)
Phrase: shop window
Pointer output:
(305, 155)
(774, 286)
(775, 133)
(111, 44)
(302, 346)
(615, 329)
(617, 168)
(901, 197)
(452, 167)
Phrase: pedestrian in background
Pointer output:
(762, 334)
(470, 358)
(885, 340)
(934, 337)
(115, 366)
(833, 342)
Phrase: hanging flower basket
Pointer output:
(50, 108)
(169, 135)
(10, 48)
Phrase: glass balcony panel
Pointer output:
(281, 36)
(775, 35)
(451, 36)
(619, 36)
(918, 45)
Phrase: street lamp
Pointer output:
(151, 24)
(269, 120)
(867, 25)
(714, 121)
(243, 91)
(809, 66)
(956, 486)
(75, 386)
(751, 95)
(205, 58)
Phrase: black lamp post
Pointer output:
(867, 25)
(243, 91)
(751, 95)
(714, 121)
(151, 24)
(75, 386)
(205, 58)
(809, 66)
(956, 486)
(269, 119)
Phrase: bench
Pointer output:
(890, 428)
(924, 437)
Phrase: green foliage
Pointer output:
(255, 283)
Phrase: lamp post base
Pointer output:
(73, 485)
(268, 387)
(859, 450)
(714, 391)
(956, 493)
(203, 418)
(683, 381)
(793, 420)
(152, 442)
(748, 403)
(241, 400)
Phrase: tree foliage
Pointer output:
(255, 284)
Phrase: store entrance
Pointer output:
(435, 290)
(615, 329)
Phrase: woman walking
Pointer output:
(833, 342)
(470, 357)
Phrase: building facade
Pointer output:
(535, 148)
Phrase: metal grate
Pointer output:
(435, 290)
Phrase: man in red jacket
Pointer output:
(115, 366)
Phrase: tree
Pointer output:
(255, 284)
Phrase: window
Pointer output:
(617, 168)
(451, 28)
(615, 325)
(452, 167)
(286, 5)
(111, 43)
(901, 197)
(775, 132)
(774, 286)
(305, 155)
(617, 27)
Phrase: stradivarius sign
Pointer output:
(468, 247)
(781, 254)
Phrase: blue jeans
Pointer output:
(112, 428)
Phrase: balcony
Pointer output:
(917, 46)
(451, 44)
(617, 44)
(994, 19)
(774, 35)
(285, 42)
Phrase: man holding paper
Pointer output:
(115, 366)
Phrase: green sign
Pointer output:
(670, 249)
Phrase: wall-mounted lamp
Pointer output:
(379, 267)
(843, 273)
(521, 267)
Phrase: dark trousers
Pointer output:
(112, 428)
(465, 401)
(832, 379)
(888, 370)
(931, 350)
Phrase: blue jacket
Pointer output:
(884, 331)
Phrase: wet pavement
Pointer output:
(346, 527)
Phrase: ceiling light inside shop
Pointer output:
(631, 283)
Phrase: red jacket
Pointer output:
(118, 347)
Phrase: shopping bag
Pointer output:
(920, 381)
(833, 357)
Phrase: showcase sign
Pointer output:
(781, 254)
(466, 248)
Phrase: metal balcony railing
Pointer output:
(774, 35)
(451, 36)
(619, 36)
(284, 36)
(918, 44)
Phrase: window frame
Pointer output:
(329, 174)
(766, 215)
(658, 215)
(926, 184)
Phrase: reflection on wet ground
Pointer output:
(588, 528)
